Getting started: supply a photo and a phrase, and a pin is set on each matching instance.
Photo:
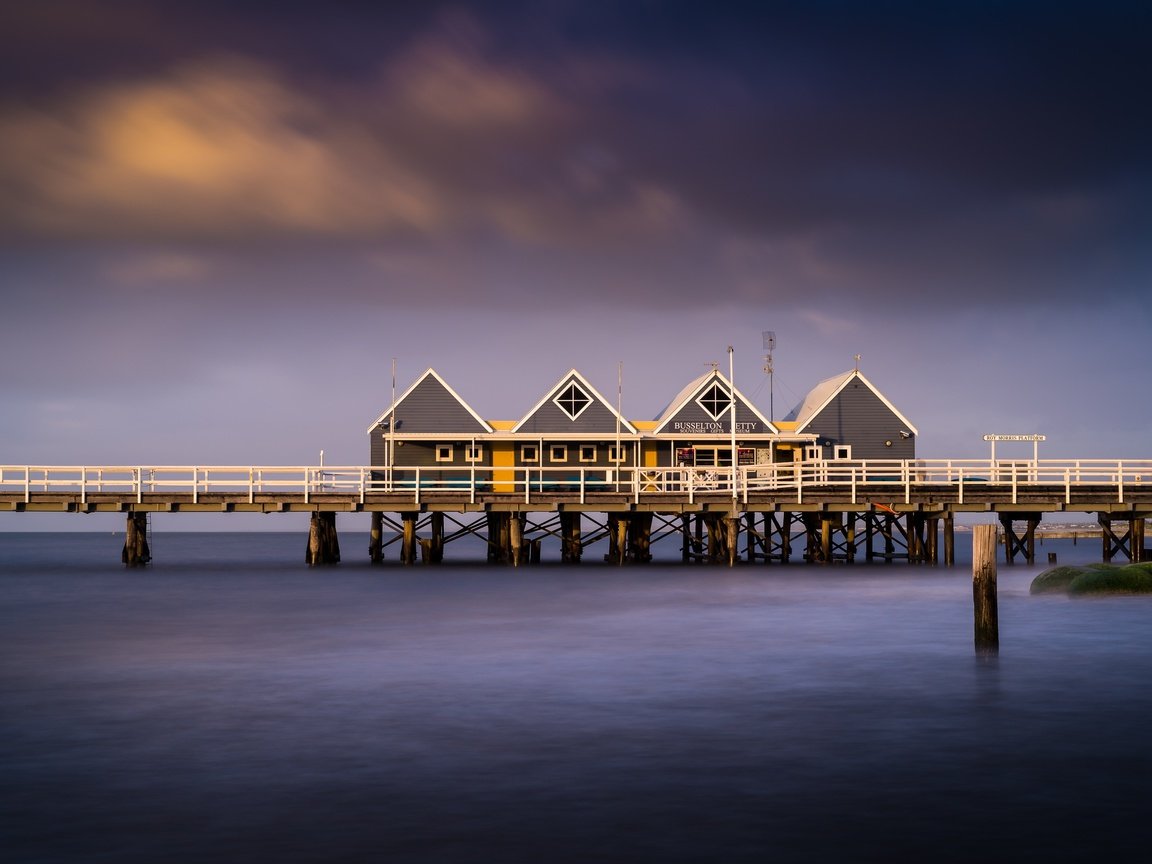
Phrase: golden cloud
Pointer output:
(220, 149)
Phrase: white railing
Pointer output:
(858, 480)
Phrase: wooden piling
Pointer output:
(732, 538)
(640, 537)
(515, 538)
(949, 540)
(376, 538)
(323, 542)
(136, 552)
(436, 548)
(408, 539)
(987, 628)
(571, 546)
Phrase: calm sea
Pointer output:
(228, 704)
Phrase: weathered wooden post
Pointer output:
(515, 537)
(949, 539)
(408, 540)
(436, 522)
(640, 537)
(732, 537)
(323, 542)
(136, 552)
(987, 628)
(376, 538)
(571, 546)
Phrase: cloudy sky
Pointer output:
(221, 222)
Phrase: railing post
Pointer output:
(472, 485)
(195, 485)
(139, 480)
(251, 488)
(363, 481)
(583, 477)
(84, 485)
(1014, 482)
(27, 484)
(416, 491)
(307, 485)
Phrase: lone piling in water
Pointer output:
(987, 628)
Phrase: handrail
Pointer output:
(854, 477)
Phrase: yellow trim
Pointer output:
(503, 456)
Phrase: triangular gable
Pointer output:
(822, 395)
(431, 406)
(688, 412)
(573, 406)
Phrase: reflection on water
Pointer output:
(230, 704)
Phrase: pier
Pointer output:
(818, 512)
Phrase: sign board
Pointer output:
(1015, 438)
(745, 456)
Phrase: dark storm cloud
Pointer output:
(815, 150)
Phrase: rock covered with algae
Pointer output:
(1079, 580)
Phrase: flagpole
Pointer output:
(732, 384)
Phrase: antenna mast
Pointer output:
(769, 345)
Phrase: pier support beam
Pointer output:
(499, 540)
(640, 537)
(617, 538)
(1015, 544)
(376, 538)
(323, 543)
(949, 539)
(1130, 543)
(136, 552)
(571, 546)
(516, 538)
(408, 538)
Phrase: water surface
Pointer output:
(230, 704)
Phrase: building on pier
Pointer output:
(572, 427)
(850, 419)
(431, 427)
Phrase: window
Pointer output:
(715, 401)
(617, 454)
(842, 451)
(529, 453)
(572, 401)
(474, 453)
(587, 452)
(813, 452)
(558, 453)
(443, 452)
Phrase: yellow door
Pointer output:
(503, 457)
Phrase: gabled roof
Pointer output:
(820, 396)
(696, 387)
(573, 376)
(430, 373)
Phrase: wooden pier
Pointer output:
(823, 512)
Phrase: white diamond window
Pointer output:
(572, 400)
(716, 401)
